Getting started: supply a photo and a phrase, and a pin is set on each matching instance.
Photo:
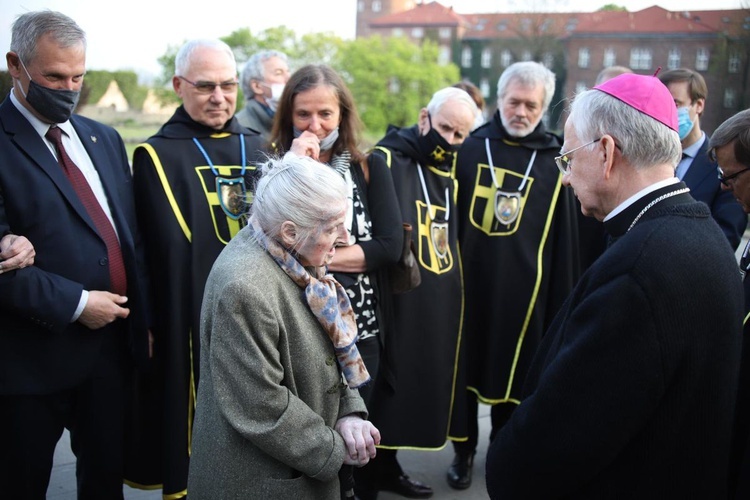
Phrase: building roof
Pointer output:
(652, 20)
(424, 14)
(658, 20)
(513, 25)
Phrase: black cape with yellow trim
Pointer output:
(412, 409)
(184, 227)
(519, 246)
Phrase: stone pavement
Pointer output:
(426, 466)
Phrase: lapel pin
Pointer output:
(93, 138)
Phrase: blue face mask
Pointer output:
(683, 120)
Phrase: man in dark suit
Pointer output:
(71, 322)
(730, 148)
(688, 88)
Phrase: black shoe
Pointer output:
(459, 473)
(406, 487)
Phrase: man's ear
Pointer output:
(700, 105)
(177, 85)
(609, 151)
(424, 124)
(256, 87)
(14, 64)
(289, 234)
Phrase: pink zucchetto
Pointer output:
(647, 94)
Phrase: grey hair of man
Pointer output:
(254, 70)
(643, 141)
(30, 27)
(528, 74)
(182, 60)
(446, 94)
(735, 129)
(297, 189)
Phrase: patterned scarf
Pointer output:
(329, 303)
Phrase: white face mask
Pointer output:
(276, 90)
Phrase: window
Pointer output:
(417, 32)
(486, 57)
(610, 58)
(525, 24)
(376, 6)
(640, 59)
(583, 57)
(396, 32)
(673, 60)
(484, 86)
(361, 6)
(734, 62)
(445, 33)
(701, 59)
(506, 58)
(580, 87)
(466, 57)
(548, 60)
(729, 98)
(526, 55)
(444, 55)
(502, 25)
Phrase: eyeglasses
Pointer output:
(208, 88)
(563, 161)
(726, 179)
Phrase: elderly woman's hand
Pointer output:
(360, 437)
(16, 252)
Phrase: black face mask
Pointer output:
(435, 149)
(56, 105)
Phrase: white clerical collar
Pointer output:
(640, 194)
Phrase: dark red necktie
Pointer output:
(118, 279)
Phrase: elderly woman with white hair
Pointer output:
(278, 413)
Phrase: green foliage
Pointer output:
(96, 82)
(392, 79)
(613, 7)
(6, 83)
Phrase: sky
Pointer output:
(135, 35)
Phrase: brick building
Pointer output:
(577, 45)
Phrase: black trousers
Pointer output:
(93, 412)
(499, 415)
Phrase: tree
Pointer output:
(612, 7)
(392, 79)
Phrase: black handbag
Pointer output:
(404, 275)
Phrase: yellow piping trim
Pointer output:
(175, 496)
(139, 486)
(521, 338)
(191, 397)
(168, 190)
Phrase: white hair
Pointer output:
(182, 60)
(298, 189)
